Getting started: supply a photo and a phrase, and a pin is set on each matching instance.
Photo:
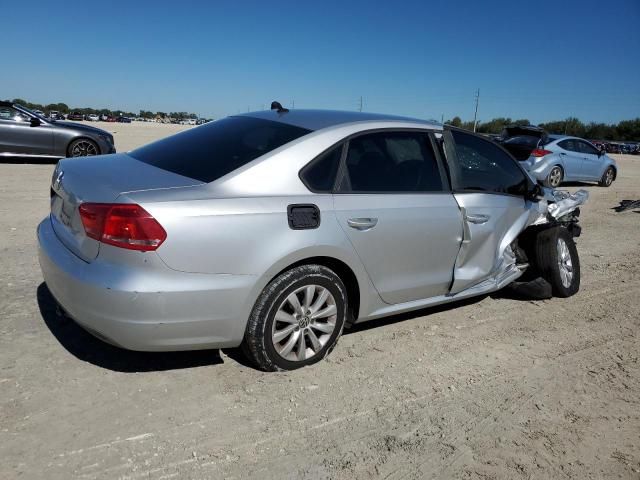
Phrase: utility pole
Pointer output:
(442, 118)
(475, 115)
(360, 108)
(293, 104)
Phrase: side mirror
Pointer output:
(601, 152)
(35, 122)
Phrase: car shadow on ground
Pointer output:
(88, 348)
(29, 160)
(566, 185)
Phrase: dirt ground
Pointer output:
(491, 388)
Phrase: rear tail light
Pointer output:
(123, 225)
(540, 152)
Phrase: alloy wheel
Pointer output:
(608, 179)
(304, 323)
(84, 148)
(555, 176)
(565, 264)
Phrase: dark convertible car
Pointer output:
(24, 133)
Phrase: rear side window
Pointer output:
(320, 174)
(391, 162)
(483, 166)
(569, 145)
(211, 151)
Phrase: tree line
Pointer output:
(64, 108)
(626, 130)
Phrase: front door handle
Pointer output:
(562, 153)
(362, 223)
(478, 219)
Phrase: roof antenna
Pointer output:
(278, 106)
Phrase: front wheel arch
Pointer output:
(76, 139)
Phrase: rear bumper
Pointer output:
(153, 309)
(537, 170)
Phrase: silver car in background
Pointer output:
(275, 230)
(27, 134)
(553, 159)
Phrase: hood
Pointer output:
(80, 127)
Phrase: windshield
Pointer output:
(31, 112)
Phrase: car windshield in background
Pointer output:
(211, 151)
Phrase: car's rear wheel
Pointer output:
(558, 261)
(297, 319)
(554, 179)
(607, 177)
(83, 147)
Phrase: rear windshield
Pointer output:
(211, 151)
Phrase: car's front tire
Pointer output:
(558, 261)
(83, 147)
(607, 177)
(297, 319)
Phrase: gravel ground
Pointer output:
(491, 388)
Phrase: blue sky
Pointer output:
(540, 59)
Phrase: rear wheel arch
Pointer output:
(343, 271)
(562, 173)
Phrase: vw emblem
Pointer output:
(58, 180)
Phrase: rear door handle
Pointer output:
(362, 223)
(478, 219)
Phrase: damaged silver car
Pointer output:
(275, 230)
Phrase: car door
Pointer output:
(18, 136)
(394, 204)
(572, 158)
(489, 186)
(592, 164)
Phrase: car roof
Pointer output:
(319, 119)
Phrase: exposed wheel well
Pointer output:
(346, 275)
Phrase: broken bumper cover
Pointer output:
(145, 310)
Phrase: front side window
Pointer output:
(391, 162)
(211, 151)
(485, 167)
(586, 148)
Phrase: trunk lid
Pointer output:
(99, 179)
(521, 140)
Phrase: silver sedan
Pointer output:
(275, 230)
